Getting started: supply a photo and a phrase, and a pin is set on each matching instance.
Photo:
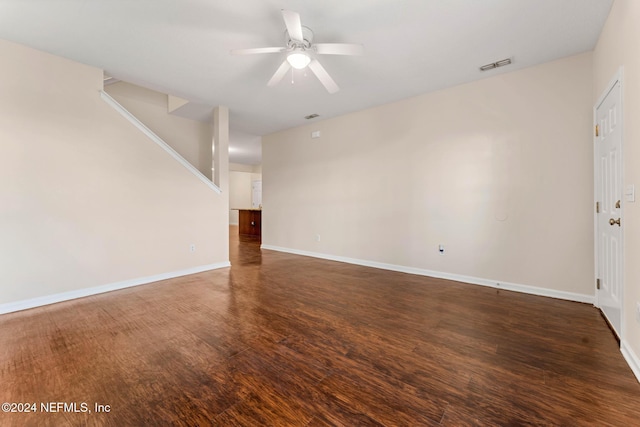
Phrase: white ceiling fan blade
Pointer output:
(279, 74)
(257, 50)
(323, 76)
(293, 24)
(338, 49)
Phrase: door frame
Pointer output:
(617, 78)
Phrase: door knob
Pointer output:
(614, 221)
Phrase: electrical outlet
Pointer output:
(192, 247)
(317, 237)
(441, 249)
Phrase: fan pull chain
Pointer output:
(292, 76)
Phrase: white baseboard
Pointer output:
(631, 357)
(80, 293)
(570, 296)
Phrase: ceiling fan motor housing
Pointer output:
(307, 35)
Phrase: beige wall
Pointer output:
(239, 194)
(190, 138)
(499, 171)
(619, 45)
(240, 190)
(86, 199)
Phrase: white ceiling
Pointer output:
(182, 47)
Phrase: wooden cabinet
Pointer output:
(250, 222)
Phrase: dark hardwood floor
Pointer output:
(286, 340)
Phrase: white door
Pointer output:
(256, 194)
(608, 183)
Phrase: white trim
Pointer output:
(594, 141)
(617, 77)
(533, 290)
(81, 293)
(155, 138)
(631, 357)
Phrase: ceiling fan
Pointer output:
(301, 52)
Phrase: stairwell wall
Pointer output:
(86, 200)
(190, 138)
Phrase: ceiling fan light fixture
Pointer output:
(298, 60)
(301, 52)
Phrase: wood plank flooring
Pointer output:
(285, 340)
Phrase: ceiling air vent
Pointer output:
(496, 64)
(312, 116)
